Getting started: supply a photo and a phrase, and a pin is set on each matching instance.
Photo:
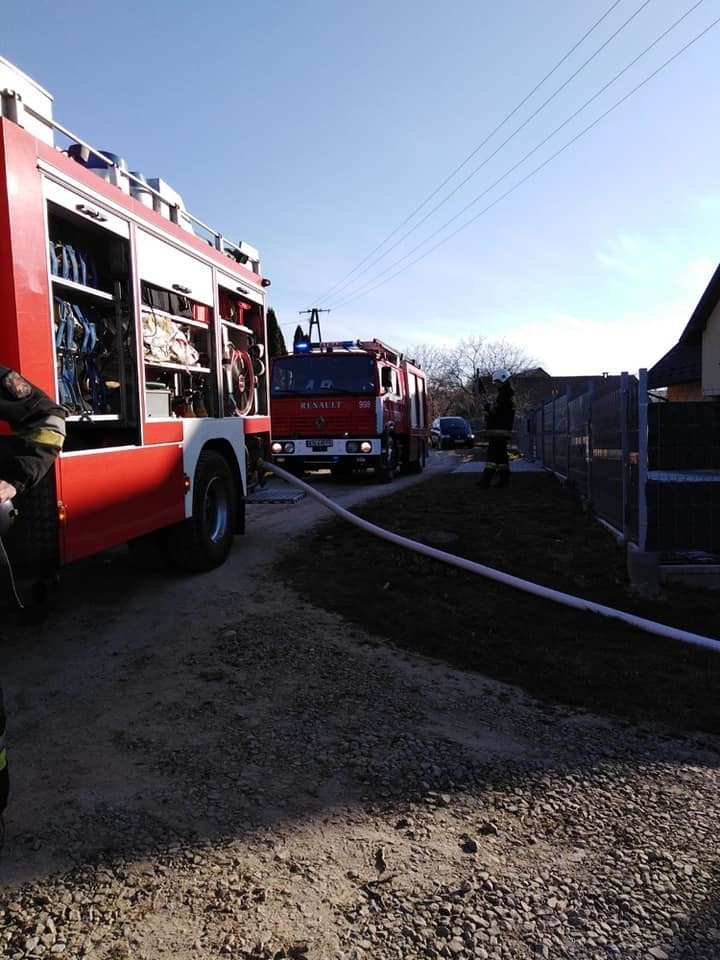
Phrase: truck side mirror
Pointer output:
(386, 378)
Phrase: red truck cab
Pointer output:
(348, 405)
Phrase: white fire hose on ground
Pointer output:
(547, 593)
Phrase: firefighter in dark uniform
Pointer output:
(500, 417)
(38, 425)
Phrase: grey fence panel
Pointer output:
(683, 490)
(561, 435)
(592, 439)
(606, 466)
(650, 470)
(684, 436)
(579, 442)
(526, 432)
(547, 448)
(632, 501)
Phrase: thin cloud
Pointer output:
(707, 204)
(640, 256)
(575, 345)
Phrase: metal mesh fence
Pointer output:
(592, 440)
(683, 488)
(606, 463)
(651, 470)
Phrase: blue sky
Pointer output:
(313, 128)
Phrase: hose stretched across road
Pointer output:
(547, 593)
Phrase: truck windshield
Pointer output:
(320, 374)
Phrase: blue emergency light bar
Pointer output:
(326, 346)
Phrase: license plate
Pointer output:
(317, 444)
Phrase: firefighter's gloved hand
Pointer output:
(7, 491)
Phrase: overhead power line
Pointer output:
(469, 157)
(376, 282)
(507, 140)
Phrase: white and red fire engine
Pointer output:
(148, 326)
(348, 405)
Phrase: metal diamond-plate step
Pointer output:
(275, 494)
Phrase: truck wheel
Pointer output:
(386, 470)
(203, 541)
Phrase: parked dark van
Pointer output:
(446, 432)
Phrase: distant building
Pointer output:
(535, 386)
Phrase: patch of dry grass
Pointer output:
(536, 530)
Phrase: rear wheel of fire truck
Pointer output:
(386, 470)
(204, 540)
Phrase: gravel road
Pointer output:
(212, 768)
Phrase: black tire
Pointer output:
(385, 471)
(204, 540)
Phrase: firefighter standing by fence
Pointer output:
(38, 425)
(500, 417)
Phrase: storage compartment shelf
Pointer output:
(176, 318)
(166, 365)
(237, 326)
(91, 417)
(80, 288)
(93, 328)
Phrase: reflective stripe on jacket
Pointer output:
(38, 423)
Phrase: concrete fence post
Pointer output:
(642, 458)
(589, 440)
(624, 453)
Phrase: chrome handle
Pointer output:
(90, 212)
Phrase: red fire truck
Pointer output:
(348, 405)
(148, 326)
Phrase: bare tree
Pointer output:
(431, 359)
(459, 375)
(441, 386)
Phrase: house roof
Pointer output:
(682, 364)
(707, 303)
(534, 391)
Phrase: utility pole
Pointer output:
(314, 323)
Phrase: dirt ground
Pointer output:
(212, 767)
(537, 530)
